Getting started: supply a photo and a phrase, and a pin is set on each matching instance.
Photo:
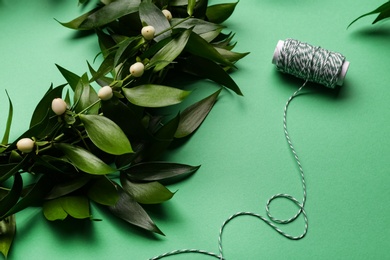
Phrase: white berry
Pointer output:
(105, 93)
(167, 14)
(25, 145)
(137, 69)
(58, 106)
(148, 32)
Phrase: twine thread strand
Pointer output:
(271, 221)
(311, 64)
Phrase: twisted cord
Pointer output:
(271, 221)
(186, 251)
(286, 196)
(311, 64)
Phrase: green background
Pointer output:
(342, 138)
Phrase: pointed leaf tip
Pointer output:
(7, 234)
(130, 211)
(9, 121)
(151, 95)
(84, 160)
(106, 135)
(220, 12)
(193, 116)
(190, 7)
(383, 10)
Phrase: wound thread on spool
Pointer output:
(310, 63)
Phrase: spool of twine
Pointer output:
(310, 63)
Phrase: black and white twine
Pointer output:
(311, 64)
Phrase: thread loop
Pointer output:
(271, 220)
(311, 64)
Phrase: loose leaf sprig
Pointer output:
(383, 12)
(104, 144)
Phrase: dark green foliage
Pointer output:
(78, 155)
(383, 12)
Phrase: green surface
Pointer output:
(342, 138)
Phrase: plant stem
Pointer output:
(45, 148)
(87, 108)
(173, 26)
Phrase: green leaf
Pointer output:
(197, 8)
(53, 210)
(170, 51)
(46, 128)
(85, 96)
(76, 23)
(81, 2)
(53, 165)
(220, 12)
(3, 192)
(84, 160)
(65, 188)
(74, 206)
(168, 130)
(125, 117)
(153, 49)
(102, 16)
(8, 170)
(198, 26)
(106, 135)
(164, 136)
(193, 116)
(69, 76)
(104, 191)
(230, 55)
(154, 95)
(99, 77)
(67, 98)
(150, 14)
(12, 197)
(110, 13)
(200, 47)
(43, 128)
(210, 36)
(208, 69)
(14, 157)
(383, 15)
(127, 48)
(383, 10)
(105, 67)
(106, 2)
(178, 2)
(35, 195)
(106, 42)
(224, 41)
(9, 121)
(130, 211)
(44, 105)
(190, 7)
(158, 171)
(7, 234)
(147, 193)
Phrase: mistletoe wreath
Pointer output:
(101, 144)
